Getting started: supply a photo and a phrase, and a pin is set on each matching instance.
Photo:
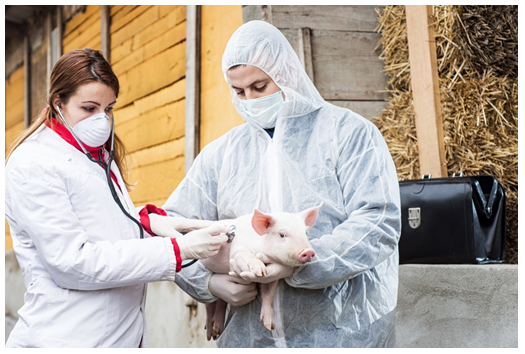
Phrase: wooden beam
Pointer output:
(267, 13)
(193, 60)
(305, 50)
(105, 36)
(425, 89)
(49, 30)
(60, 32)
(27, 82)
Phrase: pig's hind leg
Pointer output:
(210, 311)
(219, 318)
(215, 316)
(267, 293)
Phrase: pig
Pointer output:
(261, 239)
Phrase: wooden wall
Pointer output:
(83, 30)
(14, 120)
(346, 69)
(218, 115)
(148, 56)
(148, 53)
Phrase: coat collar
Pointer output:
(65, 134)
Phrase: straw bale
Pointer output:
(478, 78)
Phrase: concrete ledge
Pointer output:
(456, 306)
(438, 306)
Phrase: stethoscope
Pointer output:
(105, 166)
(107, 170)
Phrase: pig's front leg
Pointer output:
(267, 293)
(247, 262)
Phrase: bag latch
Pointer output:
(414, 217)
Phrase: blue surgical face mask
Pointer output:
(262, 111)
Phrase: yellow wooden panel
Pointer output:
(79, 19)
(139, 53)
(156, 181)
(170, 22)
(160, 71)
(167, 152)
(173, 93)
(160, 98)
(14, 122)
(157, 154)
(14, 99)
(12, 133)
(154, 127)
(93, 43)
(114, 10)
(85, 27)
(17, 75)
(157, 202)
(118, 11)
(135, 23)
(8, 238)
(15, 114)
(14, 95)
(14, 85)
(218, 115)
(124, 17)
(87, 38)
(168, 10)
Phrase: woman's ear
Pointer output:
(56, 102)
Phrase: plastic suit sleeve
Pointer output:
(194, 199)
(40, 201)
(371, 198)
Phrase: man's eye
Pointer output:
(260, 89)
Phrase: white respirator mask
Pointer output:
(262, 111)
(94, 131)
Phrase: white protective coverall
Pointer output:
(85, 287)
(347, 296)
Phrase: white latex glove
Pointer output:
(203, 243)
(232, 289)
(274, 271)
(168, 226)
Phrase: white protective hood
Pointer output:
(262, 45)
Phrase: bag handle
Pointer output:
(486, 206)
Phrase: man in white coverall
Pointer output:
(295, 152)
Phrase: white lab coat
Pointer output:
(84, 266)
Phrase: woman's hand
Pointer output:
(203, 243)
(172, 227)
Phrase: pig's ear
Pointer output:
(261, 222)
(310, 215)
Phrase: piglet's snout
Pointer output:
(307, 255)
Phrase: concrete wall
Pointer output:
(438, 306)
(473, 306)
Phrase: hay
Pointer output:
(477, 53)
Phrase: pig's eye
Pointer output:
(282, 234)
